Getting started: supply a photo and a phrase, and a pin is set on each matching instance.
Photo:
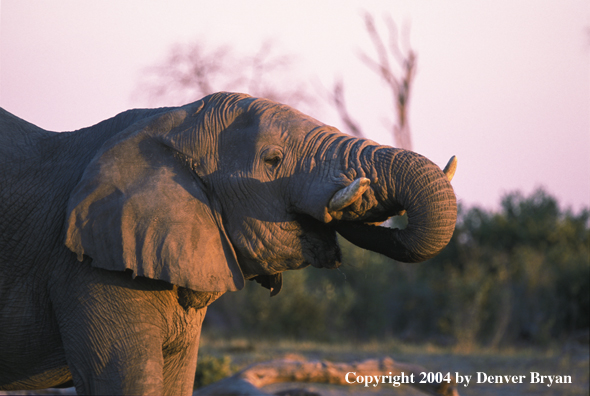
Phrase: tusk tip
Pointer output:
(451, 167)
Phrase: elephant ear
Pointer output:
(139, 207)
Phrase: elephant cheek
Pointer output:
(320, 247)
(287, 246)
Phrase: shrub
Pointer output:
(519, 274)
(212, 369)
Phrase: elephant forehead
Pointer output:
(285, 133)
(285, 120)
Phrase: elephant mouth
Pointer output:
(321, 248)
(319, 242)
(324, 250)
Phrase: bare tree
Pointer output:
(192, 71)
(189, 71)
(338, 101)
(399, 83)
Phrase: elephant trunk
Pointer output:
(405, 181)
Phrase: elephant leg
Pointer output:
(119, 333)
(180, 361)
(117, 363)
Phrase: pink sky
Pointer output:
(504, 85)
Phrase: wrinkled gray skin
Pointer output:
(115, 238)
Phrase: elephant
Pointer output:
(115, 238)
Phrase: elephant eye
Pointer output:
(273, 161)
(272, 156)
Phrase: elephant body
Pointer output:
(44, 314)
(114, 239)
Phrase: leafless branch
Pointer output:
(400, 86)
(337, 98)
(191, 71)
(398, 80)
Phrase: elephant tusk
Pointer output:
(451, 167)
(346, 196)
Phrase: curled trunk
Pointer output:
(405, 181)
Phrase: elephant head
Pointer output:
(233, 187)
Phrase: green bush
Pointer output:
(519, 274)
(212, 369)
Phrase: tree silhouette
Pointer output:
(398, 82)
(191, 71)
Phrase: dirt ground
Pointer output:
(564, 360)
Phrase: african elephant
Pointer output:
(115, 238)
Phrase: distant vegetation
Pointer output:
(521, 274)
